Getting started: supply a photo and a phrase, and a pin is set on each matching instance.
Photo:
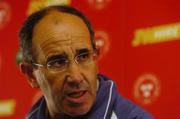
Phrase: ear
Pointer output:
(27, 70)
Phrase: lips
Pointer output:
(77, 96)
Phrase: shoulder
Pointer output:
(33, 113)
(122, 108)
(126, 109)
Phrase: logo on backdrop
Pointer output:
(156, 34)
(98, 4)
(102, 43)
(146, 89)
(4, 13)
(7, 107)
(36, 5)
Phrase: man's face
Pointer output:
(72, 89)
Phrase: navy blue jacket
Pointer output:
(109, 104)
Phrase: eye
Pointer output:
(83, 57)
(57, 63)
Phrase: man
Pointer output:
(59, 57)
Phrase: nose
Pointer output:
(75, 74)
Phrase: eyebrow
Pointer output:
(64, 55)
(84, 50)
(56, 57)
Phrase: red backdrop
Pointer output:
(140, 51)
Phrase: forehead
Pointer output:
(60, 28)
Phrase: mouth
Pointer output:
(77, 96)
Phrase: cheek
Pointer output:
(91, 76)
(92, 71)
(55, 80)
(41, 80)
(43, 83)
(50, 83)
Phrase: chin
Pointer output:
(77, 111)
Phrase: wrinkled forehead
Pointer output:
(56, 22)
(58, 29)
(74, 44)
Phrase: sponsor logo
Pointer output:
(7, 107)
(36, 5)
(146, 89)
(4, 14)
(157, 34)
(98, 4)
(102, 43)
